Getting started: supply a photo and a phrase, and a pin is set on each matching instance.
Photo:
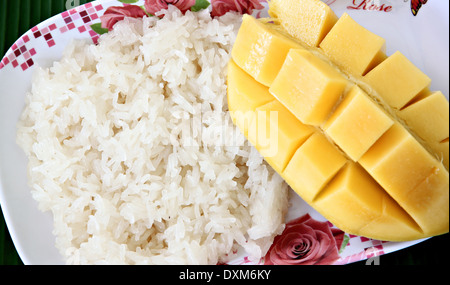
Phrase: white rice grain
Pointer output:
(131, 148)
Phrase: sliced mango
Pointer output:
(313, 165)
(308, 86)
(260, 49)
(406, 89)
(352, 47)
(357, 123)
(400, 164)
(353, 195)
(244, 96)
(355, 156)
(429, 118)
(277, 134)
(398, 161)
(428, 202)
(307, 20)
(397, 80)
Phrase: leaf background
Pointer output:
(18, 16)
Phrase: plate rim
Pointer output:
(4, 205)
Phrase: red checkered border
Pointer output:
(79, 18)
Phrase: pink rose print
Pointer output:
(115, 14)
(221, 7)
(305, 241)
(153, 6)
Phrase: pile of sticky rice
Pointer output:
(131, 148)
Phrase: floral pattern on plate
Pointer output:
(308, 237)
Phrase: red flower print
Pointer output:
(153, 6)
(115, 14)
(305, 241)
(221, 7)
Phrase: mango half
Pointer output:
(327, 123)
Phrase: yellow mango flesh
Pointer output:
(357, 123)
(397, 80)
(277, 134)
(244, 96)
(260, 50)
(317, 19)
(313, 165)
(405, 88)
(428, 202)
(352, 47)
(386, 186)
(429, 118)
(397, 161)
(357, 197)
(317, 162)
(308, 86)
(441, 150)
(412, 176)
(394, 224)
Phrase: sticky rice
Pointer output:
(132, 150)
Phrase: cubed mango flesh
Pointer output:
(428, 202)
(397, 80)
(395, 224)
(429, 118)
(313, 165)
(308, 86)
(357, 197)
(307, 20)
(349, 154)
(260, 50)
(400, 164)
(244, 96)
(357, 123)
(352, 47)
(277, 134)
(398, 161)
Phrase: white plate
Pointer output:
(424, 39)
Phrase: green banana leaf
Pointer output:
(16, 18)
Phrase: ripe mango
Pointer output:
(263, 49)
(358, 154)
(357, 123)
(352, 47)
(405, 88)
(353, 195)
(342, 190)
(317, 19)
(308, 86)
